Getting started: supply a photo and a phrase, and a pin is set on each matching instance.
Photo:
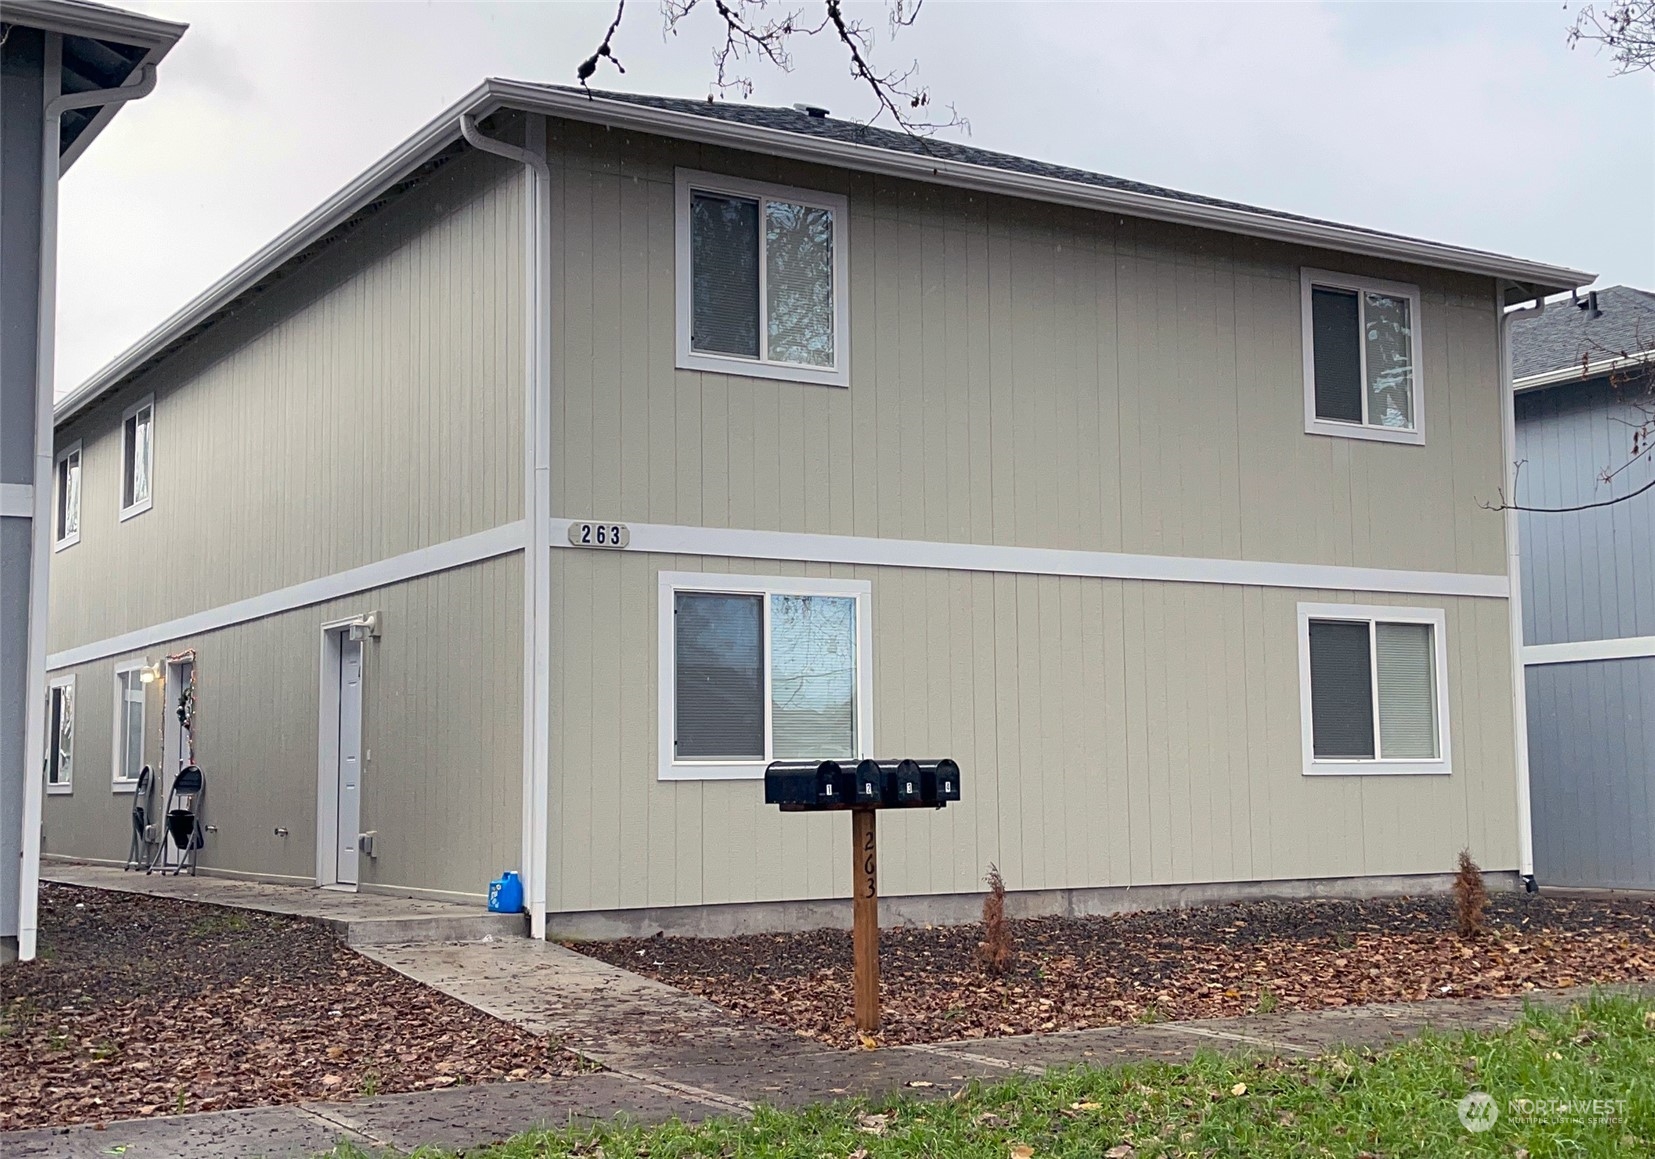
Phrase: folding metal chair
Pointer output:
(185, 834)
(141, 852)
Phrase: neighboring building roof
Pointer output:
(102, 48)
(1565, 343)
(789, 133)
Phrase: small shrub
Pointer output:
(1470, 897)
(1267, 1000)
(995, 950)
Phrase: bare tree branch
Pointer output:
(590, 64)
(763, 30)
(1625, 27)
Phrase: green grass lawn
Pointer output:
(1587, 1073)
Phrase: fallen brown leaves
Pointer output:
(147, 1006)
(1197, 963)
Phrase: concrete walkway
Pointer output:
(667, 1053)
(357, 919)
(691, 1079)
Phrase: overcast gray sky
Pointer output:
(1466, 123)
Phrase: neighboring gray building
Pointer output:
(65, 69)
(1157, 512)
(1585, 381)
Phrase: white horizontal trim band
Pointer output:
(672, 539)
(422, 561)
(17, 500)
(1623, 648)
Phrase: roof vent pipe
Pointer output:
(811, 110)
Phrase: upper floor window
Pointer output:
(1373, 689)
(761, 280)
(757, 669)
(1361, 358)
(60, 735)
(137, 456)
(66, 502)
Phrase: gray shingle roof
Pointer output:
(831, 128)
(1561, 336)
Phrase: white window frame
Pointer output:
(673, 582)
(59, 481)
(119, 783)
(67, 785)
(838, 374)
(1376, 764)
(148, 501)
(1360, 285)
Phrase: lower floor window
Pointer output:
(129, 723)
(60, 735)
(756, 669)
(1373, 689)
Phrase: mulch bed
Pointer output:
(147, 1006)
(1070, 974)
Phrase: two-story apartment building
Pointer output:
(516, 506)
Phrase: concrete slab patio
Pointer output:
(356, 918)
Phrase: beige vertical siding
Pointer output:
(442, 730)
(367, 405)
(1020, 374)
(1111, 733)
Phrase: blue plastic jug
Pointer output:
(505, 896)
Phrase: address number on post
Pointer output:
(584, 534)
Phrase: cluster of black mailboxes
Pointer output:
(907, 784)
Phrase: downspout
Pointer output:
(1514, 578)
(537, 490)
(40, 529)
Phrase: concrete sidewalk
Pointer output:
(692, 1078)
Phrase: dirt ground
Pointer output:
(1070, 974)
(147, 1006)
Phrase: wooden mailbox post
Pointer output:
(863, 789)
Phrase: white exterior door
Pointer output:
(350, 758)
(175, 749)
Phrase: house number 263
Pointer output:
(584, 534)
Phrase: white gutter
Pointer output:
(537, 498)
(1514, 604)
(40, 526)
(495, 93)
(1581, 371)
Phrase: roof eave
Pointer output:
(436, 135)
(1541, 277)
(98, 23)
(94, 20)
(1584, 371)
(1535, 278)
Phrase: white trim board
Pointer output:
(672, 539)
(502, 540)
(1623, 648)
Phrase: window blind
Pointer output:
(1336, 332)
(798, 283)
(1341, 690)
(812, 676)
(718, 678)
(724, 274)
(1407, 691)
